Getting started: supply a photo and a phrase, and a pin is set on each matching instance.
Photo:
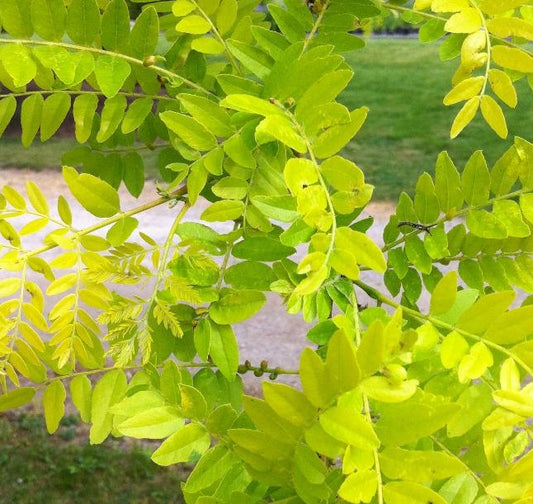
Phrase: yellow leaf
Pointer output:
(503, 88)
(466, 21)
(449, 5)
(465, 90)
(465, 116)
(472, 45)
(510, 27)
(512, 58)
(422, 4)
(493, 115)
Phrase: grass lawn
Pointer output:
(36, 468)
(403, 83)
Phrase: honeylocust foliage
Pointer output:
(397, 404)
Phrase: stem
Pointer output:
(460, 213)
(111, 220)
(488, 43)
(313, 31)
(81, 92)
(378, 296)
(129, 59)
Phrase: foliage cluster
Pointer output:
(396, 406)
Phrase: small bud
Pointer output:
(263, 365)
(248, 364)
(149, 61)
(242, 369)
(258, 372)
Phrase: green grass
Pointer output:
(403, 83)
(36, 468)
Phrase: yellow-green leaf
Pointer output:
(54, 405)
(503, 88)
(465, 116)
(467, 20)
(512, 58)
(185, 444)
(194, 24)
(493, 115)
(465, 90)
(444, 293)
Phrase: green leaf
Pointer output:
(526, 205)
(349, 427)
(508, 212)
(466, 89)
(55, 109)
(80, 393)
(49, 18)
(461, 489)
(16, 18)
(223, 210)
(315, 379)
(224, 350)
(153, 423)
(485, 225)
(193, 24)
(208, 114)
(108, 391)
(476, 404)
(121, 230)
(184, 445)
(363, 248)
(18, 63)
(83, 22)
(404, 492)
(448, 184)
(261, 248)
(84, 111)
(250, 275)
(8, 106)
(236, 305)
(475, 363)
(136, 114)
(251, 104)
(278, 127)
(111, 72)
(426, 201)
(341, 364)
(16, 398)
(417, 465)
(133, 173)
(252, 58)
(189, 130)
(289, 403)
(111, 117)
(287, 23)
(444, 293)
(211, 468)
(510, 327)
(144, 34)
(37, 198)
(116, 26)
(54, 405)
(335, 138)
(30, 118)
(95, 195)
(342, 174)
(193, 404)
(280, 208)
(231, 188)
(226, 16)
(476, 180)
(237, 150)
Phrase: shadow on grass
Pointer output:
(65, 469)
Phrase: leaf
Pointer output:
(467, 20)
(235, 306)
(80, 393)
(111, 72)
(508, 212)
(417, 465)
(404, 492)
(252, 58)
(485, 225)
(261, 248)
(111, 117)
(447, 184)
(341, 364)
(349, 427)
(281, 208)
(381, 389)
(444, 293)
(493, 115)
(136, 114)
(314, 378)
(466, 89)
(183, 446)
(250, 275)
(119, 232)
(224, 350)
(335, 138)
(223, 211)
(83, 22)
(465, 116)
(144, 34)
(512, 59)
(226, 16)
(363, 248)
(15, 16)
(193, 24)
(7, 110)
(360, 486)
(30, 118)
(37, 198)
(342, 174)
(153, 423)
(116, 26)
(48, 18)
(133, 173)
(84, 110)
(95, 195)
(287, 23)
(503, 88)
(510, 327)
(475, 363)
(476, 180)
(289, 403)
(278, 127)
(54, 111)
(54, 405)
(189, 130)
(16, 398)
(426, 203)
(18, 63)
(108, 391)
(208, 114)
